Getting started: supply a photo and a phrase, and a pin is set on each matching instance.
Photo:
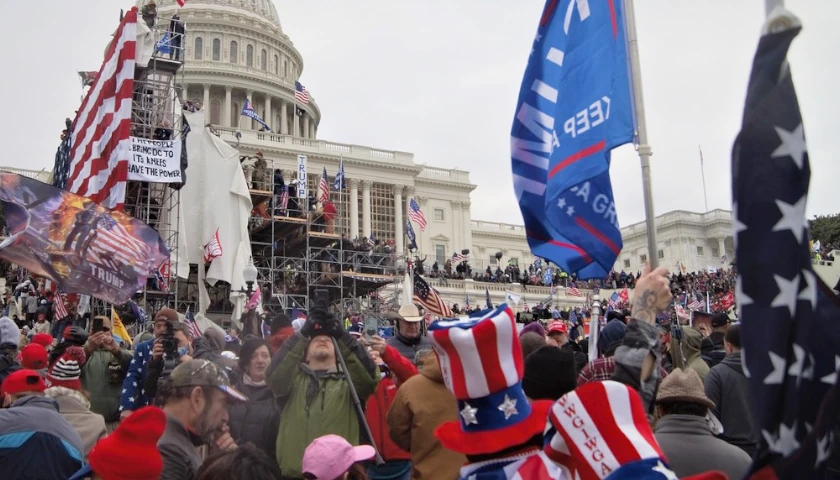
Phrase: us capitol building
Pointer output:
(237, 50)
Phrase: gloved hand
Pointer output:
(308, 328)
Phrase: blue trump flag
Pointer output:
(248, 111)
(575, 105)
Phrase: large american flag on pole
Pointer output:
(427, 296)
(416, 215)
(790, 320)
(98, 159)
(323, 187)
(301, 94)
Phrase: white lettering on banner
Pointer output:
(589, 117)
(601, 204)
(156, 161)
(542, 126)
(106, 276)
(301, 175)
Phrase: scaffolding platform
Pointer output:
(258, 196)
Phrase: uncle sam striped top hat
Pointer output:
(482, 365)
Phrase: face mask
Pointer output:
(183, 351)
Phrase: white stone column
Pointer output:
(268, 118)
(721, 247)
(226, 115)
(284, 118)
(366, 184)
(467, 222)
(455, 221)
(354, 207)
(399, 234)
(305, 132)
(312, 130)
(206, 103)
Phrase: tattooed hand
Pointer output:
(652, 294)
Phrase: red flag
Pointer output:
(213, 249)
(181, 2)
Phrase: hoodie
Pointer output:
(728, 387)
(691, 343)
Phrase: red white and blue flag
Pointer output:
(427, 296)
(97, 164)
(790, 319)
(575, 106)
(192, 325)
(416, 215)
(323, 187)
(213, 249)
(301, 94)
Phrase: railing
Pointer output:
(41, 175)
(357, 151)
(497, 227)
(680, 216)
(452, 175)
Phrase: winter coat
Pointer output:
(133, 395)
(423, 403)
(75, 408)
(728, 387)
(313, 403)
(179, 452)
(203, 349)
(690, 447)
(44, 444)
(401, 369)
(409, 347)
(257, 420)
(102, 377)
(8, 364)
(41, 327)
(691, 350)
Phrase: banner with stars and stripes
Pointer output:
(790, 320)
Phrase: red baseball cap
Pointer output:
(33, 356)
(557, 327)
(43, 339)
(23, 381)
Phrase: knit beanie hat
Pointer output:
(549, 373)
(43, 339)
(33, 357)
(67, 370)
(535, 327)
(613, 333)
(280, 321)
(130, 452)
(9, 333)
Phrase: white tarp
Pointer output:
(214, 197)
(145, 45)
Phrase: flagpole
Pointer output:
(643, 147)
(703, 176)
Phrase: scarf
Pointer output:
(246, 379)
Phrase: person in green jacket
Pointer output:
(312, 391)
(104, 371)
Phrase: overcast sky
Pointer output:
(440, 79)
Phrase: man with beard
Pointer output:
(195, 398)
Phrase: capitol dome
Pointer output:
(235, 50)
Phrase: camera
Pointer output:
(170, 343)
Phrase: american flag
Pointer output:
(427, 296)
(790, 320)
(613, 301)
(695, 305)
(573, 292)
(213, 249)
(189, 319)
(301, 95)
(459, 257)
(323, 187)
(98, 159)
(114, 246)
(416, 215)
(60, 306)
(283, 204)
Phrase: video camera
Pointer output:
(319, 315)
(170, 351)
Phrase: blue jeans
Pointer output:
(393, 470)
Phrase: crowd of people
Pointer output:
(318, 399)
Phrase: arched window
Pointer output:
(285, 68)
(217, 49)
(276, 66)
(263, 60)
(234, 52)
(216, 112)
(249, 55)
(234, 115)
(198, 54)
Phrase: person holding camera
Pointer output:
(133, 394)
(104, 371)
(169, 351)
(313, 393)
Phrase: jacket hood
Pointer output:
(431, 369)
(692, 340)
(62, 394)
(733, 360)
(36, 401)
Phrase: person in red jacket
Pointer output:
(395, 369)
